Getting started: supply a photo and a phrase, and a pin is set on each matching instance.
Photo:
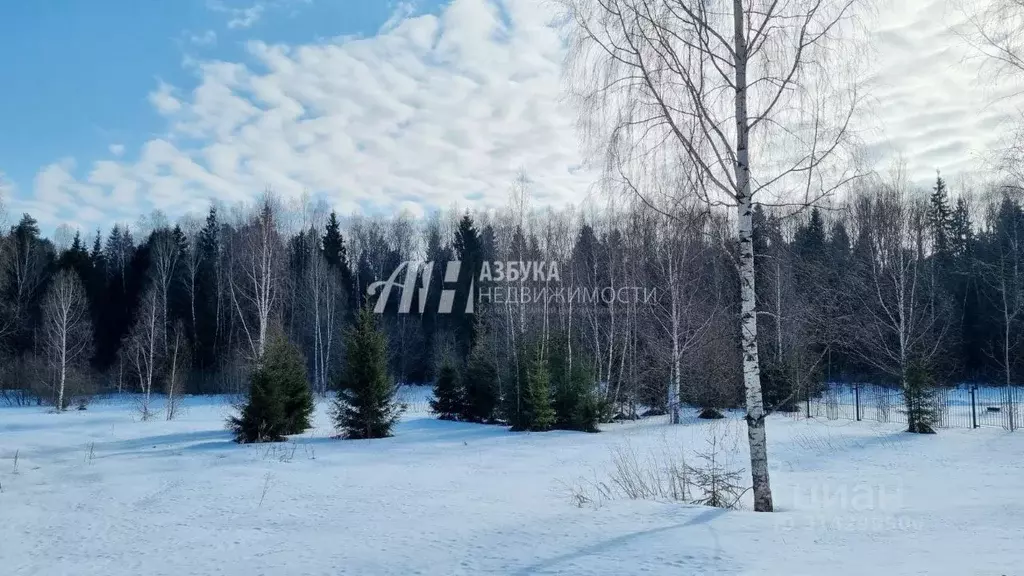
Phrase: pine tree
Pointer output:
(481, 392)
(365, 406)
(449, 399)
(262, 417)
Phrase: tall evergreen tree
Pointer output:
(469, 251)
(336, 255)
(366, 406)
(208, 317)
(940, 220)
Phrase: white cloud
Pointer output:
(449, 108)
(932, 106)
(243, 17)
(163, 100)
(205, 38)
(246, 17)
(400, 12)
(117, 149)
(431, 111)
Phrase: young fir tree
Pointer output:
(536, 411)
(481, 400)
(365, 406)
(284, 364)
(449, 400)
(573, 399)
(922, 408)
(576, 404)
(262, 417)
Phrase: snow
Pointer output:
(100, 493)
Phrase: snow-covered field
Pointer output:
(97, 492)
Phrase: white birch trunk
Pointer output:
(748, 301)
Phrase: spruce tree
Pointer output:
(336, 255)
(466, 245)
(940, 220)
(537, 413)
(365, 406)
(449, 400)
(921, 405)
(262, 417)
(284, 364)
(481, 392)
(575, 403)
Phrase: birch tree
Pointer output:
(178, 360)
(687, 317)
(253, 281)
(899, 323)
(143, 347)
(719, 83)
(164, 256)
(67, 329)
(1003, 273)
(995, 30)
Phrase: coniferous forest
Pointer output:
(885, 281)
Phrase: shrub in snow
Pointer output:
(449, 400)
(365, 406)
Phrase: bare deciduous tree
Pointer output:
(143, 347)
(164, 255)
(253, 282)
(719, 83)
(178, 360)
(899, 323)
(68, 330)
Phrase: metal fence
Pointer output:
(965, 406)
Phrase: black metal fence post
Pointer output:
(974, 409)
(1012, 409)
(856, 401)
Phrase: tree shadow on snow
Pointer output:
(603, 547)
(195, 440)
(426, 430)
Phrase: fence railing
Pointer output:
(965, 406)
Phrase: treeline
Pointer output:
(890, 282)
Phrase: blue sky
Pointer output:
(114, 108)
(78, 73)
